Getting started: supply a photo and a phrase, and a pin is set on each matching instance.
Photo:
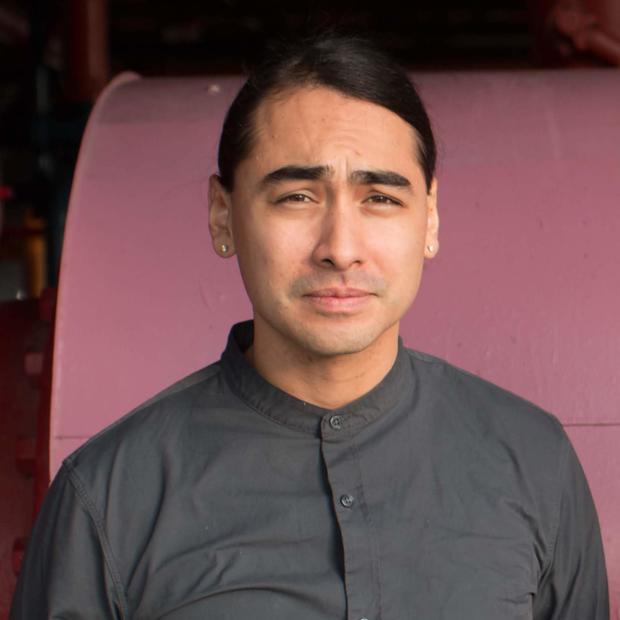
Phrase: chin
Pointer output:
(340, 340)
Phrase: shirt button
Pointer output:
(347, 500)
(336, 422)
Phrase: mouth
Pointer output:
(338, 299)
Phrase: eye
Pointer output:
(293, 198)
(383, 199)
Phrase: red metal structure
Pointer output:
(25, 383)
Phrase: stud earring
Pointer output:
(224, 248)
(431, 248)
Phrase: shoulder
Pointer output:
(486, 412)
(142, 438)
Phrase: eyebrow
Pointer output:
(380, 177)
(317, 173)
(296, 173)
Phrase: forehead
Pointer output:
(318, 125)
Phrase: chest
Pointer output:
(339, 534)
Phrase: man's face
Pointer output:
(330, 219)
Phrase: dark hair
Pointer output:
(349, 64)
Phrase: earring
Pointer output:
(431, 248)
(224, 248)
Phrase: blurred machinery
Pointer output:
(577, 32)
(26, 329)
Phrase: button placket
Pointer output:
(343, 473)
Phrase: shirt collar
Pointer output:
(292, 412)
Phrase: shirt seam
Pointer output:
(426, 358)
(350, 454)
(356, 451)
(91, 509)
(558, 509)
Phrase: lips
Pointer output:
(338, 300)
(339, 293)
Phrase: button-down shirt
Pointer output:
(435, 496)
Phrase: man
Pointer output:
(320, 470)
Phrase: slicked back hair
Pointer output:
(350, 65)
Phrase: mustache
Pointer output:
(303, 285)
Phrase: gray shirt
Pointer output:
(435, 496)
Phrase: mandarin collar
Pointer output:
(287, 410)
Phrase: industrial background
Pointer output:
(56, 56)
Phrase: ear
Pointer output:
(220, 218)
(431, 242)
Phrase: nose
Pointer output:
(340, 245)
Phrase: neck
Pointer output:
(326, 381)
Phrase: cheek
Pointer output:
(400, 256)
(400, 247)
(268, 257)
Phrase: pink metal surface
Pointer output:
(524, 291)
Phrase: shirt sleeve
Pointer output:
(574, 583)
(67, 571)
